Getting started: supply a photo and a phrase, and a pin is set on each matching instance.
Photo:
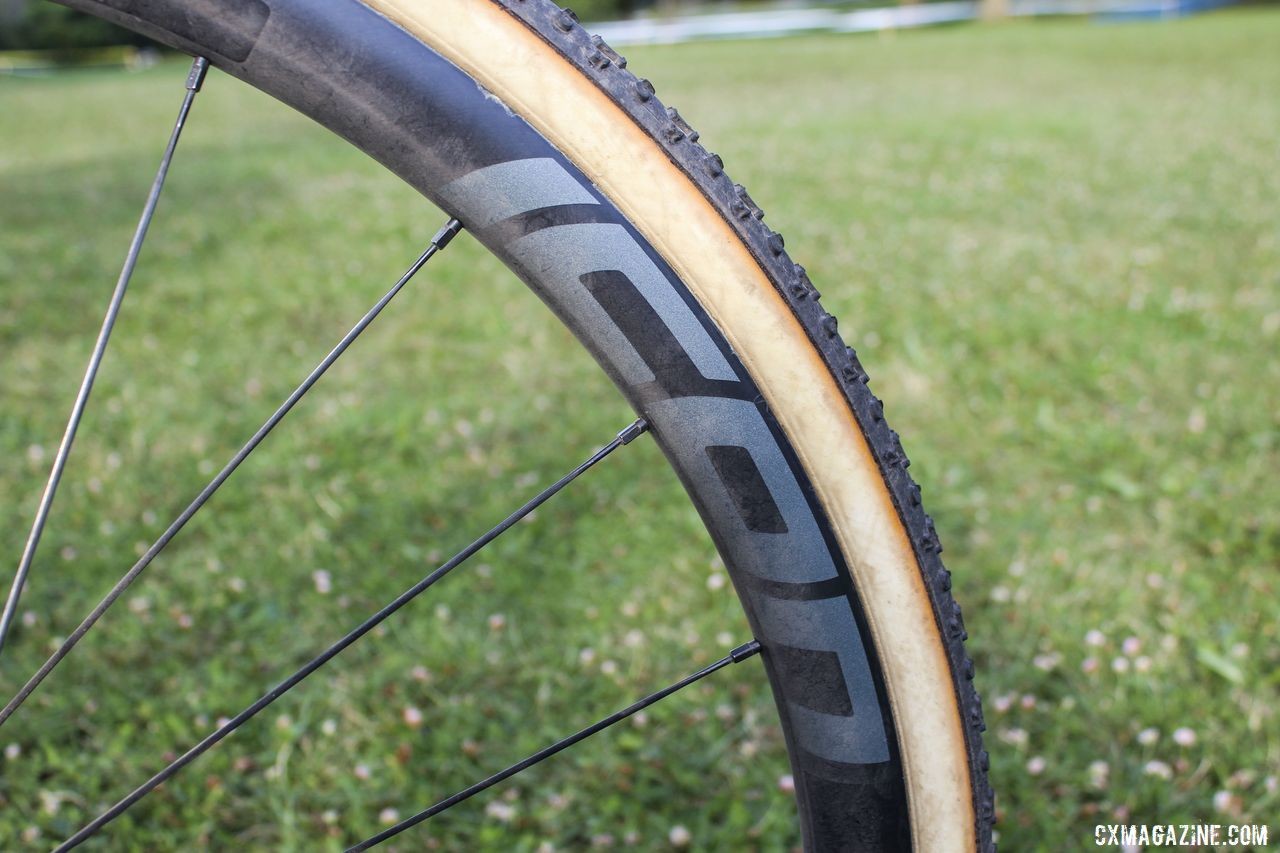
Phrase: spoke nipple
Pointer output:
(634, 431)
(195, 79)
(445, 234)
(745, 651)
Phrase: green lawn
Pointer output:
(1056, 246)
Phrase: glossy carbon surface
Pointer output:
(377, 86)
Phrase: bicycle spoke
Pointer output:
(625, 436)
(741, 653)
(195, 78)
(438, 242)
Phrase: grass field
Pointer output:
(1056, 246)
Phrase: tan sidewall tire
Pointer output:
(629, 167)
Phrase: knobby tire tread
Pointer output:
(606, 68)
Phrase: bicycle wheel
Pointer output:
(510, 117)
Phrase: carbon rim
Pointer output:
(524, 199)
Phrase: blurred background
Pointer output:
(1053, 239)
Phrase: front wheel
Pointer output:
(508, 115)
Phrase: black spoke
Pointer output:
(626, 436)
(438, 242)
(741, 653)
(194, 80)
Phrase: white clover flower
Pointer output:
(787, 784)
(50, 801)
(1184, 736)
(501, 811)
(1131, 646)
(1047, 661)
(388, 816)
(323, 581)
(412, 717)
(1159, 769)
(1036, 765)
(679, 836)
(1148, 736)
(1241, 779)
(1099, 773)
(1014, 736)
(1095, 638)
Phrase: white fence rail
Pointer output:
(781, 22)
